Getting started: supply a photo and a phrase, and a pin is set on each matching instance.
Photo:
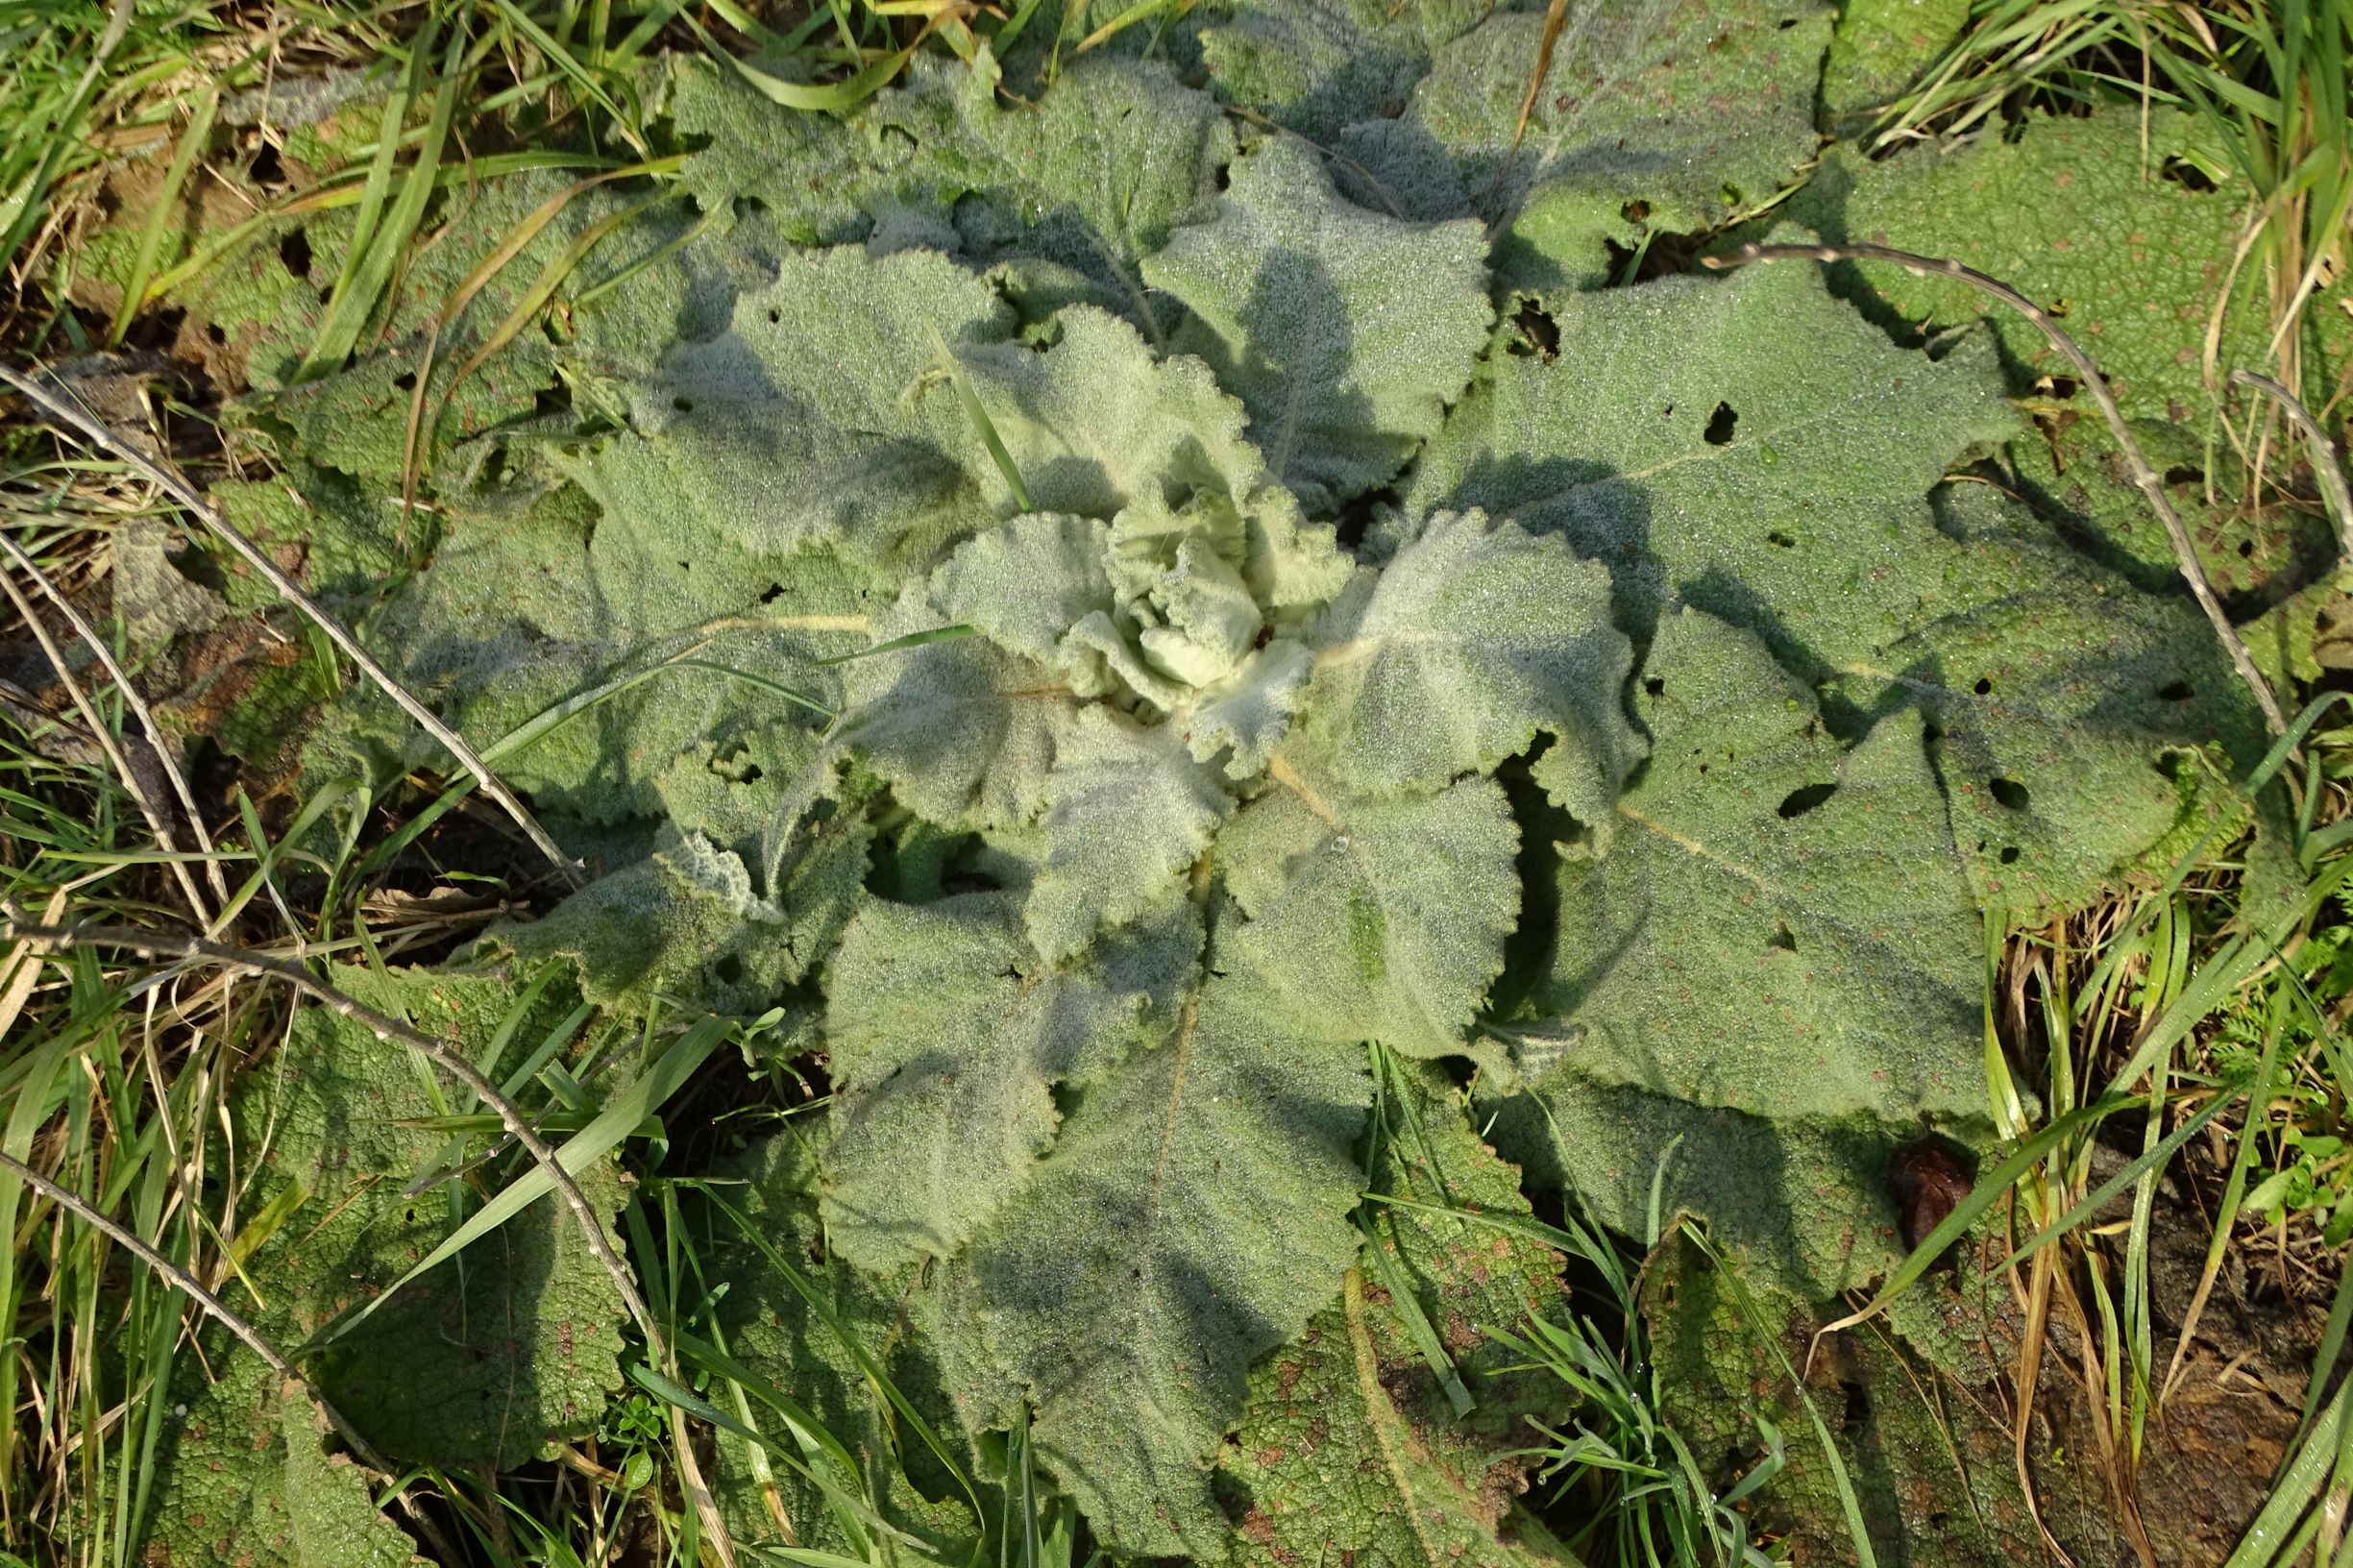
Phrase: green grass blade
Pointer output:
(160, 215)
(620, 1117)
(379, 248)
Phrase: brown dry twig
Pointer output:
(2143, 475)
(180, 490)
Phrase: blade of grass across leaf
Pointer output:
(1858, 1535)
(1418, 1327)
(620, 1117)
(897, 644)
(336, 192)
(380, 238)
(490, 266)
(519, 739)
(160, 215)
(867, 1363)
(983, 425)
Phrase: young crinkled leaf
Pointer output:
(1373, 918)
(1473, 640)
(248, 1481)
(1349, 1443)
(1096, 423)
(1777, 475)
(1190, 1216)
(946, 1034)
(1295, 298)
(1131, 811)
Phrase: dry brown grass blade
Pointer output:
(2328, 467)
(2144, 478)
(177, 486)
(2036, 1294)
(153, 810)
(138, 707)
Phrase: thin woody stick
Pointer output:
(194, 949)
(177, 486)
(193, 1289)
(139, 706)
(2145, 476)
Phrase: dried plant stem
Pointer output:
(106, 740)
(2327, 466)
(138, 707)
(180, 490)
(385, 1026)
(193, 1289)
(2144, 477)
(192, 949)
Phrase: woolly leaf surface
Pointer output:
(1131, 811)
(492, 1358)
(1190, 1218)
(247, 1479)
(1670, 119)
(947, 1035)
(1295, 299)
(1783, 925)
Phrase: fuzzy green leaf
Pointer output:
(1319, 66)
(1190, 1218)
(1068, 192)
(1761, 484)
(1374, 918)
(1475, 639)
(490, 1358)
(946, 1034)
(2093, 219)
(1293, 297)
(1668, 120)
(963, 729)
(1783, 925)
